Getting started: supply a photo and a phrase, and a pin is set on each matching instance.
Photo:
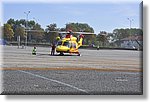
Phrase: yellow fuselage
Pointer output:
(67, 45)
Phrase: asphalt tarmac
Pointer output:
(94, 72)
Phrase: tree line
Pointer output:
(36, 34)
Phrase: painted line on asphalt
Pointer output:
(42, 77)
(121, 80)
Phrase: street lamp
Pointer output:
(27, 14)
(130, 20)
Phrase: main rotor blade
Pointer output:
(84, 33)
(34, 31)
(64, 32)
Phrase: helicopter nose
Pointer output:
(62, 48)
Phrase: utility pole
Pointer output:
(27, 14)
(131, 42)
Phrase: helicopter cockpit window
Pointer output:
(66, 44)
(59, 43)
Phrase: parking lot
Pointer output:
(94, 72)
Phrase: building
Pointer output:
(132, 42)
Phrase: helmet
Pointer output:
(81, 36)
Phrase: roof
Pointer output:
(139, 38)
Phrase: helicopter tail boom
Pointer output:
(80, 40)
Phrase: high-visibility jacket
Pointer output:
(34, 51)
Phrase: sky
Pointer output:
(101, 16)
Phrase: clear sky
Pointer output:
(100, 16)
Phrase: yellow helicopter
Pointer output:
(69, 43)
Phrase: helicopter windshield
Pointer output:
(66, 44)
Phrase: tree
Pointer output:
(8, 32)
(11, 22)
(37, 33)
(62, 29)
(20, 31)
(23, 22)
(17, 26)
(32, 24)
(102, 37)
(135, 31)
(51, 36)
(52, 27)
(124, 33)
(82, 27)
(79, 27)
(121, 33)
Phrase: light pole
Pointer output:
(130, 20)
(27, 14)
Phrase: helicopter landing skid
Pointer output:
(78, 54)
(62, 54)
